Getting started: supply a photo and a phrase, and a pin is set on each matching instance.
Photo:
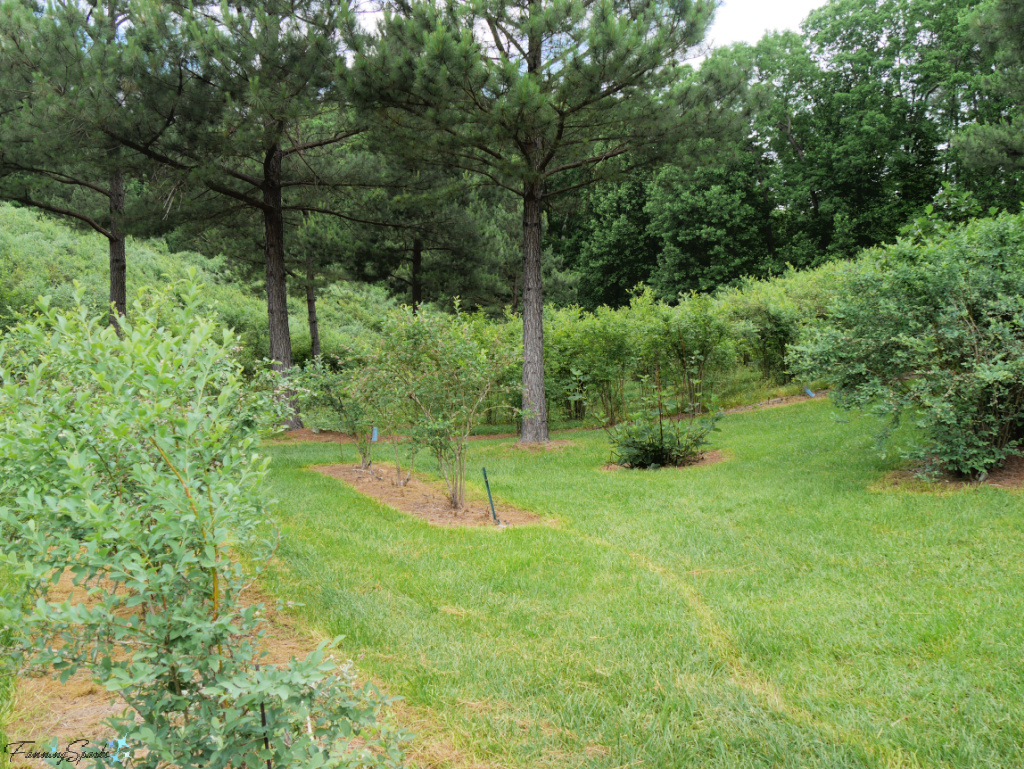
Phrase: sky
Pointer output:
(748, 20)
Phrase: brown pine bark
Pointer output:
(535, 412)
(417, 267)
(118, 257)
(277, 287)
(314, 325)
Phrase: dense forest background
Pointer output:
(830, 141)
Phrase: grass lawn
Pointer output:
(768, 611)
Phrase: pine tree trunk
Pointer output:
(535, 413)
(277, 288)
(314, 325)
(118, 258)
(417, 267)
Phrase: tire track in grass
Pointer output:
(722, 644)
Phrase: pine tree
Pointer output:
(64, 71)
(257, 117)
(997, 143)
(540, 97)
(420, 233)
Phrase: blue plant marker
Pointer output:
(373, 435)
(806, 390)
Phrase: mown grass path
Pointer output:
(768, 611)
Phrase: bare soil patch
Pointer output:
(425, 500)
(46, 708)
(707, 458)
(1009, 476)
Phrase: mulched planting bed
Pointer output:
(708, 458)
(1009, 476)
(776, 402)
(425, 500)
(306, 435)
(76, 709)
(546, 446)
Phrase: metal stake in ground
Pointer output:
(489, 497)
(263, 720)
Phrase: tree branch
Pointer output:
(323, 142)
(588, 161)
(66, 212)
(56, 176)
(346, 217)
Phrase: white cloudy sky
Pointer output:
(748, 20)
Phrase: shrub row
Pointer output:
(929, 326)
(127, 464)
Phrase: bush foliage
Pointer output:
(127, 464)
(328, 401)
(422, 379)
(595, 362)
(928, 325)
(651, 442)
(40, 256)
(934, 328)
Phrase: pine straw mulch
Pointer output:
(1010, 476)
(549, 445)
(772, 403)
(426, 500)
(45, 708)
(707, 458)
(306, 435)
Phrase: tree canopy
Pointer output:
(514, 153)
(539, 97)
